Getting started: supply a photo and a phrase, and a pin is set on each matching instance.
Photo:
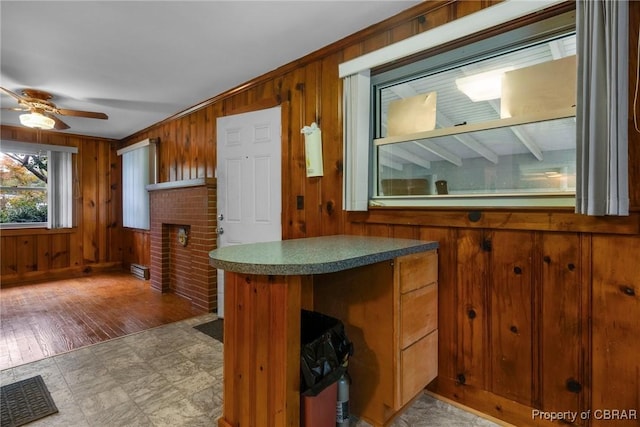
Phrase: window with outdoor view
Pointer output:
(36, 185)
(23, 188)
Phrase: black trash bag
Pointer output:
(325, 350)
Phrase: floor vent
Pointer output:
(140, 271)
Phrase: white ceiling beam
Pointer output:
(408, 156)
(385, 160)
(524, 139)
(439, 151)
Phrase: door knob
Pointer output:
(220, 230)
(220, 217)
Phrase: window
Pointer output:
(487, 123)
(36, 185)
(138, 171)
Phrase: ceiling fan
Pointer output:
(41, 111)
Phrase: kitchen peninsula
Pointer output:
(384, 290)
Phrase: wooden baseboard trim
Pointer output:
(59, 274)
(467, 409)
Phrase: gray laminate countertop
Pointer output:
(314, 255)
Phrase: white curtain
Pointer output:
(356, 110)
(60, 191)
(138, 171)
(602, 28)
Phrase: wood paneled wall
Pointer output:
(538, 308)
(529, 299)
(34, 254)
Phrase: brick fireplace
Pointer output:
(183, 231)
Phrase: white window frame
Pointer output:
(139, 169)
(484, 19)
(60, 206)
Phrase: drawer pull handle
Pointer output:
(461, 379)
(571, 266)
(547, 259)
(517, 270)
(472, 314)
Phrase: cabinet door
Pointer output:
(418, 367)
(417, 270)
(418, 314)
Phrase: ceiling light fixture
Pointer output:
(483, 86)
(37, 120)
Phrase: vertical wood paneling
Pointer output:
(197, 129)
(59, 250)
(114, 209)
(472, 308)
(561, 349)
(94, 240)
(295, 173)
(90, 203)
(447, 297)
(259, 307)
(9, 259)
(309, 90)
(43, 250)
(511, 314)
(331, 112)
(27, 258)
(102, 201)
(616, 322)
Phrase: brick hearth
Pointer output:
(189, 206)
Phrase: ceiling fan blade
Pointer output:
(15, 109)
(59, 124)
(77, 113)
(11, 94)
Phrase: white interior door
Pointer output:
(249, 201)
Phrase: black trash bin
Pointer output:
(324, 353)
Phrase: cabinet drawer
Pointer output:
(418, 314)
(417, 270)
(418, 366)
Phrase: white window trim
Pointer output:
(462, 27)
(34, 148)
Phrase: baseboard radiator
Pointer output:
(140, 271)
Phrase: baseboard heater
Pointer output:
(140, 271)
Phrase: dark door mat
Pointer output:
(25, 401)
(215, 329)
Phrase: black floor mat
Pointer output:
(25, 401)
(214, 329)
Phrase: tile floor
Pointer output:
(168, 376)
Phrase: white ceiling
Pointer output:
(143, 61)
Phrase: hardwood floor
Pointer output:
(43, 319)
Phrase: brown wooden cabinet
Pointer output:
(390, 312)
